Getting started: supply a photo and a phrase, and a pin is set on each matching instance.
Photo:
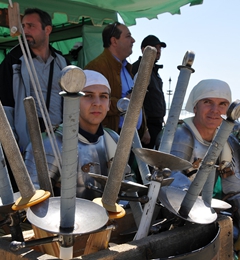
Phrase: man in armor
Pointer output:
(96, 146)
(208, 100)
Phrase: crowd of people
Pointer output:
(110, 77)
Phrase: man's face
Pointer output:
(93, 107)
(158, 55)
(208, 113)
(35, 35)
(125, 43)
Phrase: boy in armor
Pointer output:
(96, 145)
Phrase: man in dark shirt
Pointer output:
(15, 79)
(154, 102)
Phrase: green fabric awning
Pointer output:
(100, 10)
(70, 15)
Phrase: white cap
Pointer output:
(95, 78)
(208, 88)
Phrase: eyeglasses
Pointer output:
(113, 30)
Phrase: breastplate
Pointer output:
(92, 155)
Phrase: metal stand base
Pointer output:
(89, 216)
(201, 212)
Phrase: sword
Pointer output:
(37, 145)
(120, 159)
(177, 102)
(122, 106)
(71, 97)
(29, 195)
(6, 191)
(166, 143)
(41, 166)
(136, 207)
(7, 200)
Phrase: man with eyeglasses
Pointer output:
(112, 63)
(154, 102)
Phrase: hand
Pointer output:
(146, 137)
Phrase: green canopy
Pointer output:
(70, 16)
(99, 10)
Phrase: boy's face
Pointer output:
(93, 107)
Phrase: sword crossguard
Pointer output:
(233, 112)
(188, 59)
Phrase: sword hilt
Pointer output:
(233, 112)
(188, 59)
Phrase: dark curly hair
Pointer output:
(44, 16)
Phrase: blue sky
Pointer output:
(210, 30)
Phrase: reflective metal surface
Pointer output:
(8, 208)
(161, 160)
(188, 58)
(122, 104)
(89, 216)
(126, 185)
(219, 205)
(233, 112)
(200, 213)
(72, 79)
(167, 181)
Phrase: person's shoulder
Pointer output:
(135, 65)
(14, 54)
(182, 133)
(102, 64)
(16, 49)
(182, 129)
(112, 133)
(58, 52)
(96, 61)
(55, 50)
(137, 62)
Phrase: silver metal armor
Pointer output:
(187, 146)
(92, 157)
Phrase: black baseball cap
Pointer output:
(152, 41)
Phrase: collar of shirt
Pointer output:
(126, 78)
(127, 84)
(92, 138)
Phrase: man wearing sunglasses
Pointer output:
(112, 63)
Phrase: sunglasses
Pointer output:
(113, 30)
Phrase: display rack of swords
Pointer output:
(75, 216)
